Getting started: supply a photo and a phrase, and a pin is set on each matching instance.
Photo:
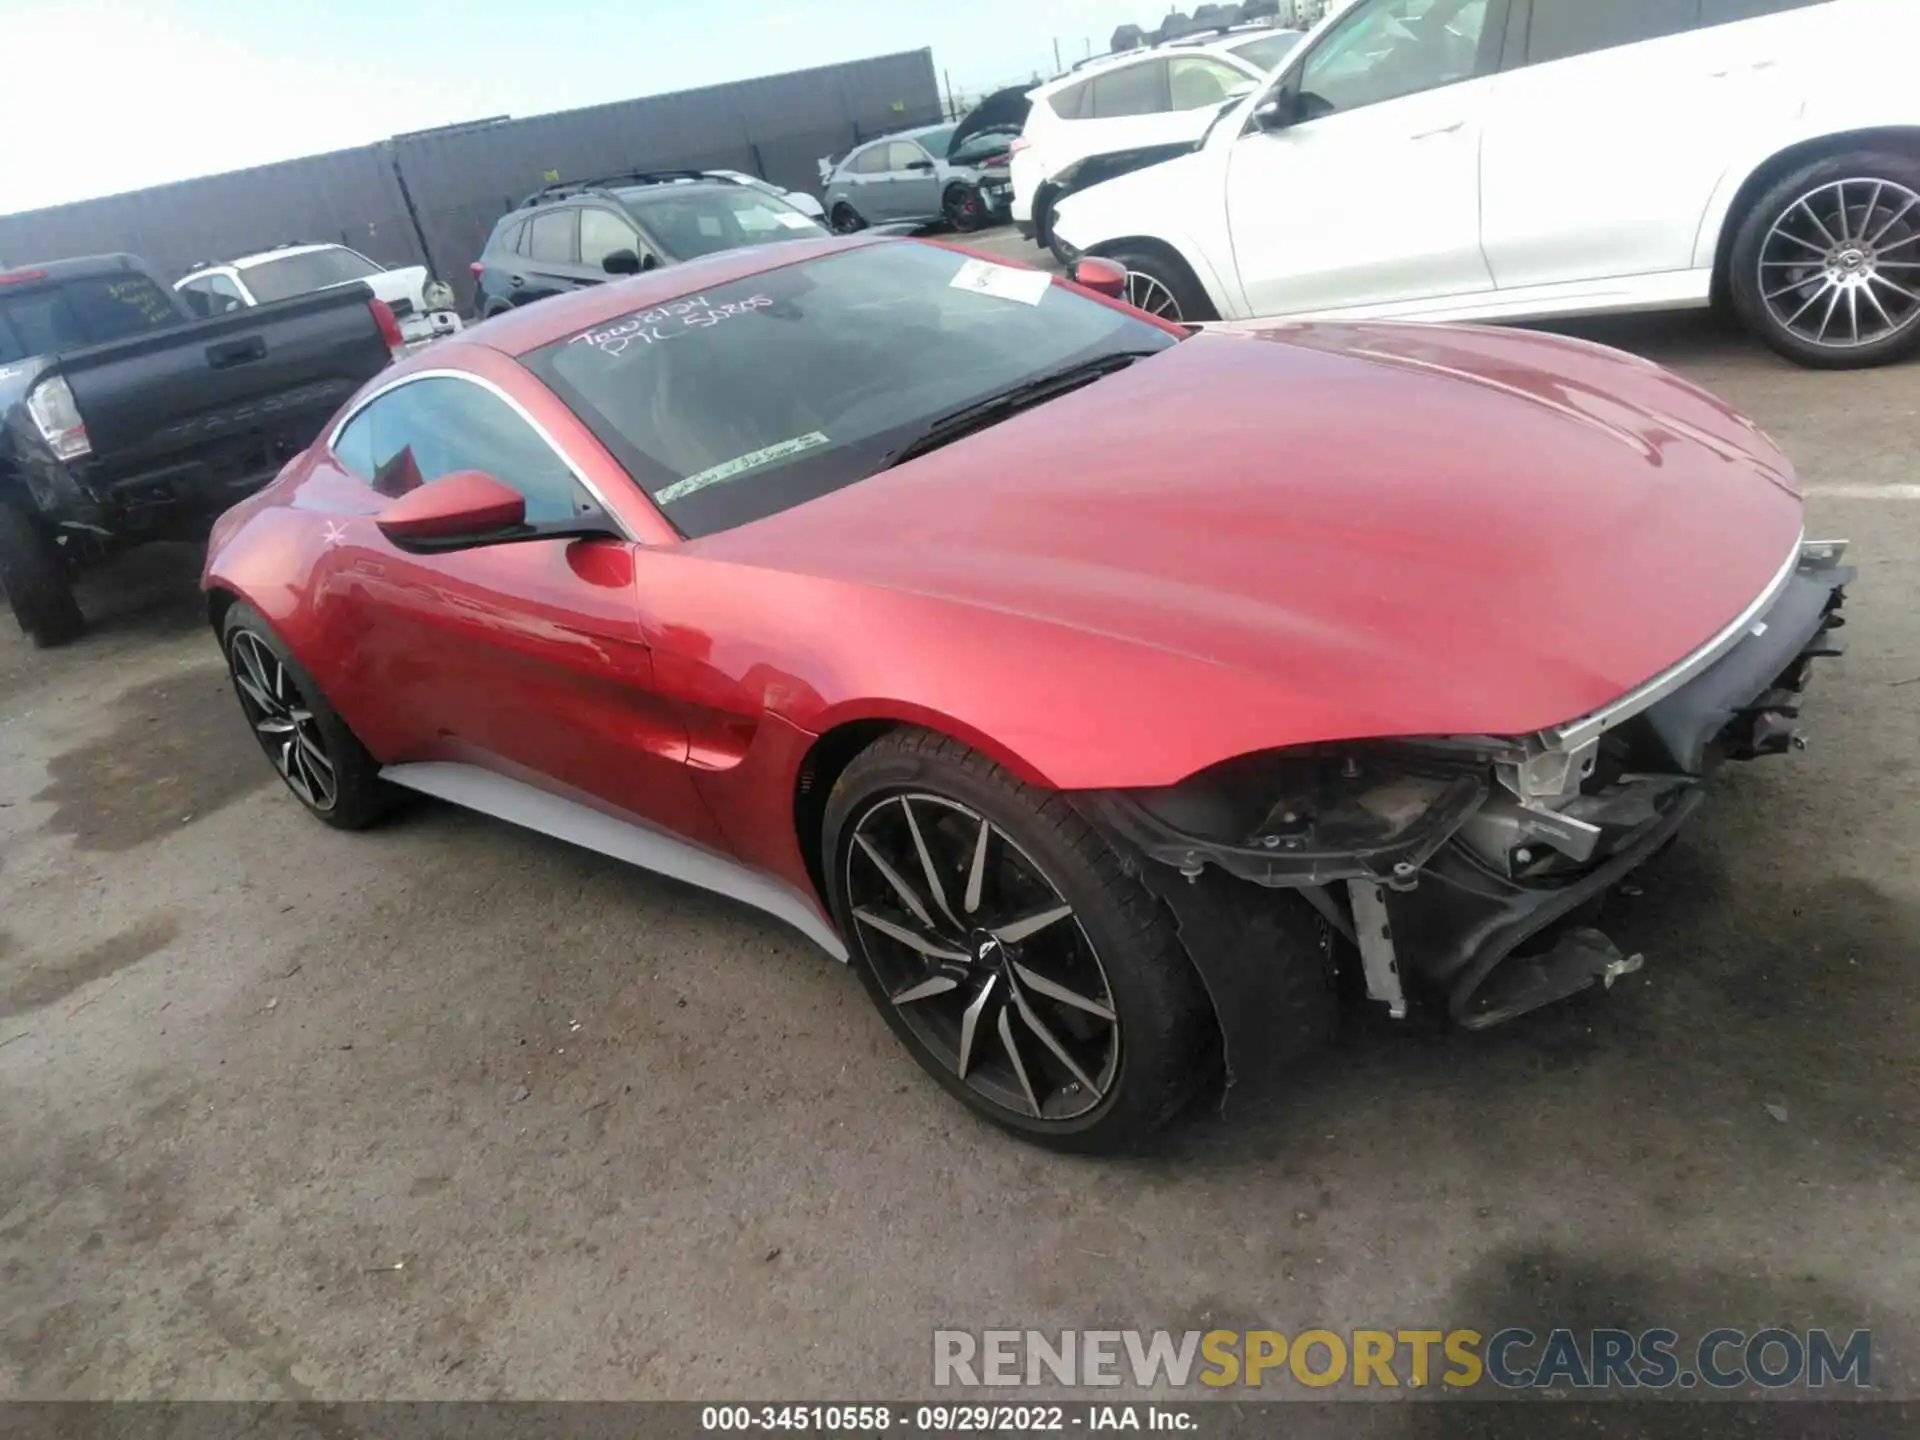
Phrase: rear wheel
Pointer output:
(962, 208)
(1010, 951)
(1826, 265)
(846, 220)
(321, 761)
(34, 577)
(1162, 286)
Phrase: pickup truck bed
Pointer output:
(176, 417)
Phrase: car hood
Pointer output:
(1002, 110)
(1404, 529)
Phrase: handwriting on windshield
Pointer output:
(141, 295)
(667, 322)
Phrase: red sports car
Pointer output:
(1096, 686)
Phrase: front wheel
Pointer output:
(1009, 949)
(1163, 286)
(846, 220)
(33, 576)
(1825, 267)
(962, 208)
(318, 758)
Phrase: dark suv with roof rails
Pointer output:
(583, 232)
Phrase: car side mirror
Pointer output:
(621, 262)
(1276, 112)
(468, 509)
(1100, 275)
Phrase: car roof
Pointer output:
(73, 267)
(529, 327)
(1220, 48)
(280, 253)
(672, 187)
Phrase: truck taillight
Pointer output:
(389, 328)
(58, 419)
(478, 269)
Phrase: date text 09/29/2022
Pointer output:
(946, 1419)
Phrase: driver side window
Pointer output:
(421, 431)
(1387, 49)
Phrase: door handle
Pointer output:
(518, 282)
(227, 354)
(1443, 130)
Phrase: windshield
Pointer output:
(285, 276)
(73, 313)
(1397, 48)
(689, 220)
(1269, 50)
(752, 397)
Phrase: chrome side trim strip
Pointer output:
(642, 845)
(512, 404)
(1589, 727)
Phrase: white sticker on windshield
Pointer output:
(709, 225)
(983, 277)
(726, 470)
(793, 220)
(756, 217)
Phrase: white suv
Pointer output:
(1163, 96)
(1516, 159)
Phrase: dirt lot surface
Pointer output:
(451, 1110)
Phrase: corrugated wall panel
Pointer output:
(460, 181)
(349, 196)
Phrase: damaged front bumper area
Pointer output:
(1466, 870)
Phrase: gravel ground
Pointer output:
(451, 1110)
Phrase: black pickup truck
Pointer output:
(124, 419)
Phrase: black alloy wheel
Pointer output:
(1007, 945)
(997, 978)
(963, 209)
(283, 722)
(312, 749)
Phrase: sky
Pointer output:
(101, 96)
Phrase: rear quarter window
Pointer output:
(1069, 102)
(1131, 90)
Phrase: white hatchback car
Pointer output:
(1163, 96)
(1520, 159)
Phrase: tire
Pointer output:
(1162, 286)
(286, 708)
(962, 208)
(33, 576)
(1111, 1032)
(1836, 227)
(846, 220)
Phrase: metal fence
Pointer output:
(432, 198)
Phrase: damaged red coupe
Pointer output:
(1101, 689)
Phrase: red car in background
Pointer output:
(1098, 687)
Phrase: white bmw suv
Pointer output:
(1519, 159)
(1163, 96)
